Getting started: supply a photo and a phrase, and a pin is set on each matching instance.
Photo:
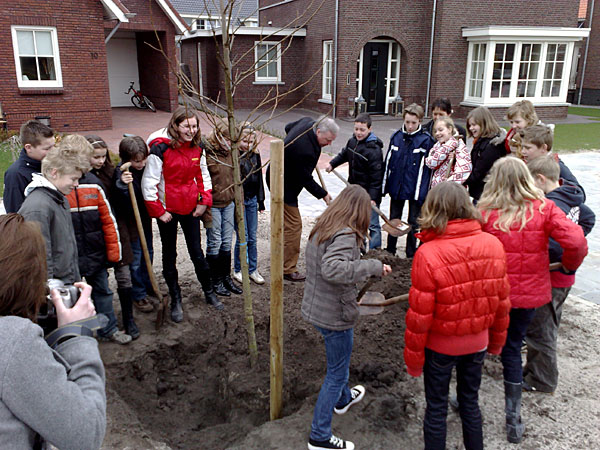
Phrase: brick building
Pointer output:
(590, 94)
(483, 53)
(73, 60)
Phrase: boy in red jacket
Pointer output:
(459, 305)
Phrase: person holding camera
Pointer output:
(48, 394)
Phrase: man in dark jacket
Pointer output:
(407, 176)
(37, 140)
(364, 156)
(303, 143)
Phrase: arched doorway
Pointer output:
(378, 73)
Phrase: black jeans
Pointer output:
(512, 365)
(437, 373)
(414, 209)
(168, 236)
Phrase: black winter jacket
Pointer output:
(365, 164)
(484, 154)
(301, 153)
(569, 197)
(251, 171)
(16, 179)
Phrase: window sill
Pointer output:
(265, 82)
(40, 91)
(511, 102)
(325, 100)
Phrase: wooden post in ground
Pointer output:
(276, 338)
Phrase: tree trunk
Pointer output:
(238, 190)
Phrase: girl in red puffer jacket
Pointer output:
(515, 211)
(459, 304)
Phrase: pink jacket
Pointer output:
(439, 161)
(527, 252)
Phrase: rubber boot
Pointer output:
(216, 275)
(175, 293)
(512, 402)
(225, 263)
(213, 300)
(127, 311)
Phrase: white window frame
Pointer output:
(327, 81)
(210, 23)
(519, 36)
(267, 80)
(57, 67)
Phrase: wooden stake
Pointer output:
(276, 337)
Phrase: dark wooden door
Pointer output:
(375, 62)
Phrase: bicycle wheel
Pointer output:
(138, 102)
(149, 104)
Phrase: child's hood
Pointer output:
(372, 138)
(38, 181)
(567, 193)
(499, 138)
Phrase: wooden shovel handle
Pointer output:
(321, 180)
(138, 220)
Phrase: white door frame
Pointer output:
(389, 95)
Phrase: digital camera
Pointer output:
(47, 315)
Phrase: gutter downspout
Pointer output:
(430, 56)
(335, 56)
(587, 47)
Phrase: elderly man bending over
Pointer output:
(303, 141)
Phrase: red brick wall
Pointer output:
(83, 102)
(247, 94)
(591, 82)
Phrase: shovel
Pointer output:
(162, 305)
(395, 227)
(370, 303)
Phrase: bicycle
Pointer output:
(140, 101)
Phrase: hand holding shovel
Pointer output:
(162, 305)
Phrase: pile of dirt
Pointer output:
(195, 378)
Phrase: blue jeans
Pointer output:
(250, 225)
(102, 297)
(374, 231)
(140, 280)
(437, 374)
(219, 237)
(334, 391)
(520, 318)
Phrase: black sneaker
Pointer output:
(332, 442)
(357, 392)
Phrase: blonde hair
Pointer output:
(511, 190)
(449, 123)
(415, 110)
(546, 166)
(444, 202)
(352, 208)
(538, 135)
(483, 117)
(73, 153)
(525, 109)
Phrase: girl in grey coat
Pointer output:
(333, 267)
(47, 395)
